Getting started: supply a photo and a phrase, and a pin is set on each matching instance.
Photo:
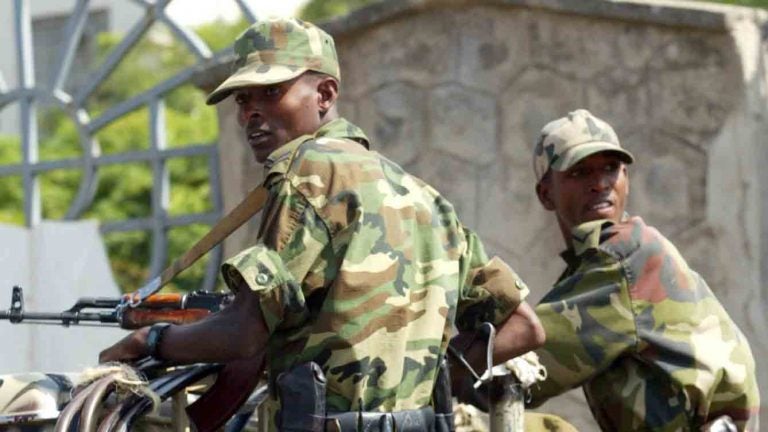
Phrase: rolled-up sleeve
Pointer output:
(263, 271)
(289, 261)
(491, 290)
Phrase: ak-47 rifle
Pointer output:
(172, 308)
(235, 382)
(144, 307)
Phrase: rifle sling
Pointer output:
(251, 205)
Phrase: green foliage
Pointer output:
(220, 34)
(151, 61)
(320, 10)
(12, 193)
(11, 189)
(125, 191)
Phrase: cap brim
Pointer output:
(579, 152)
(250, 75)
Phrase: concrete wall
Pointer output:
(457, 91)
(69, 262)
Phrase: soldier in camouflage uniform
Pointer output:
(628, 320)
(358, 266)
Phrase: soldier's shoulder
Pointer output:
(651, 260)
(633, 236)
(329, 149)
(335, 176)
(325, 156)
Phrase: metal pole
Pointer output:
(507, 413)
(180, 421)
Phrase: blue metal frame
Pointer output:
(29, 95)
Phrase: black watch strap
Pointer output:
(154, 337)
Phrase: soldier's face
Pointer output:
(595, 188)
(273, 115)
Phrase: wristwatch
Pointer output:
(154, 337)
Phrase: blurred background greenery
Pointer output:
(124, 191)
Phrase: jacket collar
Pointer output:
(279, 160)
(587, 236)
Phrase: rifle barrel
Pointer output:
(64, 318)
(171, 307)
(99, 302)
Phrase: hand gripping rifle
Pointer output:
(235, 381)
(145, 306)
(108, 311)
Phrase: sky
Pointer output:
(193, 12)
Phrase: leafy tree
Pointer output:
(124, 191)
(11, 189)
(220, 34)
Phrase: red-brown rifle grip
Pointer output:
(159, 301)
(137, 318)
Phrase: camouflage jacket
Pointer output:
(643, 334)
(364, 269)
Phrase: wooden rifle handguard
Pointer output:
(137, 318)
(160, 300)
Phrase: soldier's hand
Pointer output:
(462, 388)
(131, 347)
(472, 346)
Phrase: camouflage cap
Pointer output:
(275, 50)
(566, 141)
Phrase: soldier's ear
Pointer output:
(327, 93)
(626, 177)
(543, 193)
